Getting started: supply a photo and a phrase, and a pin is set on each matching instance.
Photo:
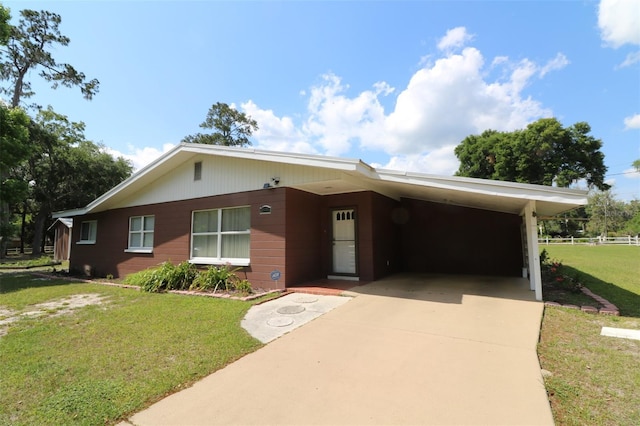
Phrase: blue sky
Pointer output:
(396, 84)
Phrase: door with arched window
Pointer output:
(344, 241)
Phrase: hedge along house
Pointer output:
(288, 219)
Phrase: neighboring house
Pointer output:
(288, 219)
(62, 238)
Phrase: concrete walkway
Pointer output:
(413, 349)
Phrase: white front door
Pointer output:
(344, 241)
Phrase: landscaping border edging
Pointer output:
(608, 308)
(181, 292)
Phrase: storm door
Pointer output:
(344, 241)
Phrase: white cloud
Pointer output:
(619, 22)
(451, 100)
(277, 134)
(447, 99)
(557, 63)
(632, 173)
(455, 38)
(631, 59)
(335, 121)
(441, 161)
(632, 122)
(140, 157)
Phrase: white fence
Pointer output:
(629, 240)
(15, 251)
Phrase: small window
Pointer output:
(88, 230)
(197, 171)
(141, 233)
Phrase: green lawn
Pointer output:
(594, 379)
(613, 272)
(101, 362)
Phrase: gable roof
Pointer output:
(66, 221)
(332, 175)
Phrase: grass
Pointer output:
(102, 362)
(613, 272)
(594, 379)
(27, 262)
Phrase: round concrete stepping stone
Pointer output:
(306, 299)
(290, 310)
(279, 321)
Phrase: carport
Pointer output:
(418, 223)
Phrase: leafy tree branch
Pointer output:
(232, 127)
(29, 47)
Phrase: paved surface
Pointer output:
(624, 333)
(407, 350)
(273, 319)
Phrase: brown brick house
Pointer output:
(299, 218)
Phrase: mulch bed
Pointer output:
(585, 300)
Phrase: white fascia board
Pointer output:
(344, 164)
(68, 222)
(69, 213)
(489, 187)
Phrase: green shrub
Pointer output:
(553, 274)
(140, 278)
(180, 277)
(214, 278)
(244, 287)
(166, 277)
(186, 276)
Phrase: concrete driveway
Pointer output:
(409, 349)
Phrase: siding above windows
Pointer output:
(220, 176)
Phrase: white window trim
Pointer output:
(141, 249)
(221, 261)
(219, 233)
(88, 242)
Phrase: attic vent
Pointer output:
(197, 170)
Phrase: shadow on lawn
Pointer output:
(627, 301)
(15, 281)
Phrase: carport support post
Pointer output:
(531, 224)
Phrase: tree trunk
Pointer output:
(38, 235)
(17, 89)
(22, 227)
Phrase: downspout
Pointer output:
(531, 225)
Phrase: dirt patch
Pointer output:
(53, 308)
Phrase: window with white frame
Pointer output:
(141, 233)
(88, 230)
(221, 236)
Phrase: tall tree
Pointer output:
(606, 213)
(65, 169)
(636, 165)
(14, 149)
(5, 27)
(233, 127)
(545, 153)
(29, 48)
